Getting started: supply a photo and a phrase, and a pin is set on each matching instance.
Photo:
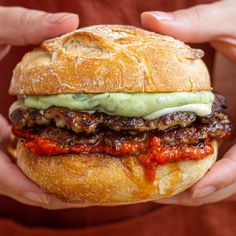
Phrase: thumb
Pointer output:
(21, 26)
(222, 174)
(197, 24)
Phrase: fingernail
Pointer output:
(36, 197)
(58, 17)
(203, 191)
(162, 16)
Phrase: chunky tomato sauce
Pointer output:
(158, 154)
(151, 153)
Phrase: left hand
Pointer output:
(20, 26)
(214, 23)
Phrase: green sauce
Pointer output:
(123, 104)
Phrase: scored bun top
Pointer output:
(110, 58)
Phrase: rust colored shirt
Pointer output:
(141, 219)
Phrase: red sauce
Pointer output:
(151, 153)
(43, 146)
(23, 134)
(158, 154)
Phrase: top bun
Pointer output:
(110, 58)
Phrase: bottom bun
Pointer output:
(105, 180)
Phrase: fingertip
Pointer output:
(148, 21)
(57, 26)
(53, 25)
(143, 16)
(158, 15)
(70, 23)
(152, 20)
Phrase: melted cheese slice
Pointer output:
(199, 109)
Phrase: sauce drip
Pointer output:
(158, 154)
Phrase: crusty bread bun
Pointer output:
(110, 58)
(107, 180)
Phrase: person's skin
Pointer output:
(214, 23)
(19, 26)
(206, 23)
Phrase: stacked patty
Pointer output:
(68, 128)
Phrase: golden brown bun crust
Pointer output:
(105, 180)
(110, 58)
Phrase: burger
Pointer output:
(113, 114)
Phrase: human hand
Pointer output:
(214, 23)
(20, 26)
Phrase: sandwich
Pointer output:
(113, 114)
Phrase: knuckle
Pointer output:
(194, 15)
(194, 18)
(25, 17)
(198, 13)
(27, 21)
(24, 20)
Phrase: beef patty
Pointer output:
(68, 127)
(91, 123)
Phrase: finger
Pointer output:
(222, 174)
(4, 49)
(226, 47)
(21, 26)
(14, 184)
(51, 203)
(5, 130)
(13, 181)
(184, 198)
(54, 204)
(196, 24)
(176, 199)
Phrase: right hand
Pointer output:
(20, 26)
(214, 23)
